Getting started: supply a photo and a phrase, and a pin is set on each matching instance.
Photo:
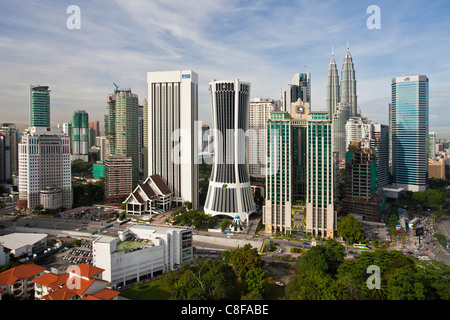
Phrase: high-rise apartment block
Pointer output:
(123, 126)
(410, 124)
(118, 177)
(259, 113)
(229, 191)
(39, 106)
(173, 132)
(44, 169)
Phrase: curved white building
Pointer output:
(229, 191)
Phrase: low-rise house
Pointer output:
(80, 282)
(18, 281)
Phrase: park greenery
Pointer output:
(238, 276)
(350, 229)
(323, 274)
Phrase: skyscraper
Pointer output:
(432, 145)
(410, 123)
(333, 90)
(123, 126)
(39, 106)
(259, 113)
(80, 133)
(320, 213)
(5, 157)
(173, 132)
(229, 191)
(10, 131)
(348, 84)
(286, 168)
(300, 88)
(340, 118)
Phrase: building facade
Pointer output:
(154, 250)
(259, 113)
(173, 132)
(320, 214)
(39, 106)
(123, 126)
(348, 84)
(10, 131)
(410, 123)
(229, 191)
(333, 89)
(44, 161)
(80, 133)
(118, 177)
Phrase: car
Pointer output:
(280, 283)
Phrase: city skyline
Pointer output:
(38, 48)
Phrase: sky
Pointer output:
(261, 42)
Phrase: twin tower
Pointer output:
(345, 91)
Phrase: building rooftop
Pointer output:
(20, 272)
(17, 240)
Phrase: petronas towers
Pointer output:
(345, 91)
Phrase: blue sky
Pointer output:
(263, 42)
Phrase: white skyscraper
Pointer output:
(173, 132)
(44, 169)
(229, 191)
(259, 113)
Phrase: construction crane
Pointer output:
(117, 87)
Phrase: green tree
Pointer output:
(404, 284)
(224, 224)
(255, 283)
(243, 259)
(324, 258)
(350, 229)
(202, 280)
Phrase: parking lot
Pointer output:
(67, 256)
(76, 255)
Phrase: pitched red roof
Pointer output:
(20, 272)
(105, 294)
(52, 280)
(86, 270)
(61, 294)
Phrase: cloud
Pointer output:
(263, 42)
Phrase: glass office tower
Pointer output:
(39, 106)
(409, 115)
